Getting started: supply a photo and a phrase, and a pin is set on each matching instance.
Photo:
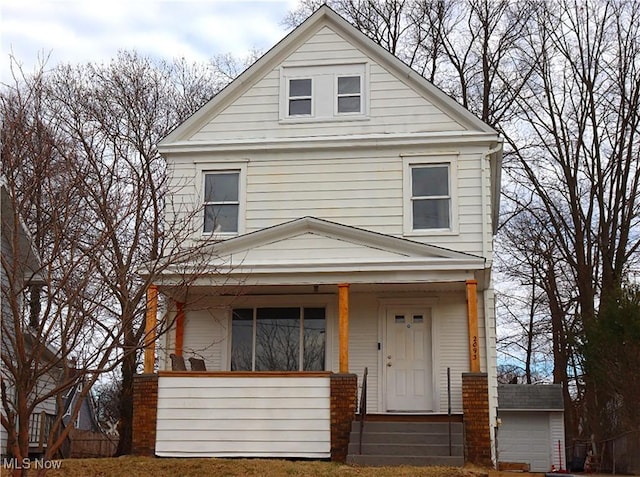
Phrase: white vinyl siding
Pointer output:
(360, 187)
(243, 417)
(558, 454)
(255, 114)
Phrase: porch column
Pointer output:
(179, 328)
(472, 315)
(150, 329)
(343, 325)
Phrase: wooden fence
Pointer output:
(91, 444)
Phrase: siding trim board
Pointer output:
(328, 141)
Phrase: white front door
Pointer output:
(407, 359)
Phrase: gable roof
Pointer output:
(319, 251)
(324, 16)
(16, 234)
(530, 397)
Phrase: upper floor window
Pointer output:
(349, 96)
(430, 194)
(300, 97)
(221, 201)
(430, 197)
(324, 92)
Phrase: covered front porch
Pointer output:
(287, 339)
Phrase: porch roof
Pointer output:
(315, 251)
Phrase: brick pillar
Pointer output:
(145, 411)
(344, 391)
(475, 405)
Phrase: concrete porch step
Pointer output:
(409, 427)
(419, 443)
(391, 460)
(369, 437)
(399, 448)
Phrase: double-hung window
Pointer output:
(278, 339)
(300, 97)
(430, 197)
(221, 201)
(349, 94)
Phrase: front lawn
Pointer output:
(150, 467)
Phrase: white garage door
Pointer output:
(525, 437)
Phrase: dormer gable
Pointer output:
(324, 71)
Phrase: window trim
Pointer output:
(204, 168)
(427, 160)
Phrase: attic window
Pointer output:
(300, 97)
(316, 93)
(349, 94)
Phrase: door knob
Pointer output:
(389, 357)
(389, 364)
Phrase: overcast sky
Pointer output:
(94, 30)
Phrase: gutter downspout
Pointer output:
(490, 340)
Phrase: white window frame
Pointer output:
(204, 168)
(324, 91)
(310, 97)
(411, 162)
(348, 95)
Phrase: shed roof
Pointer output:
(530, 397)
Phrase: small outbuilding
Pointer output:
(531, 426)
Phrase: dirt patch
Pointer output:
(159, 467)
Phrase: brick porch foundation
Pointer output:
(344, 391)
(145, 413)
(475, 405)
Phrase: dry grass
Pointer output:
(150, 467)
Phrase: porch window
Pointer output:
(278, 339)
(221, 201)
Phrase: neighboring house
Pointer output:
(20, 268)
(531, 429)
(353, 207)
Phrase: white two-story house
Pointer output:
(351, 207)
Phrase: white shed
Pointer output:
(531, 429)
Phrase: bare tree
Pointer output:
(79, 152)
(579, 155)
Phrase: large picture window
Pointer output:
(430, 197)
(221, 201)
(278, 339)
